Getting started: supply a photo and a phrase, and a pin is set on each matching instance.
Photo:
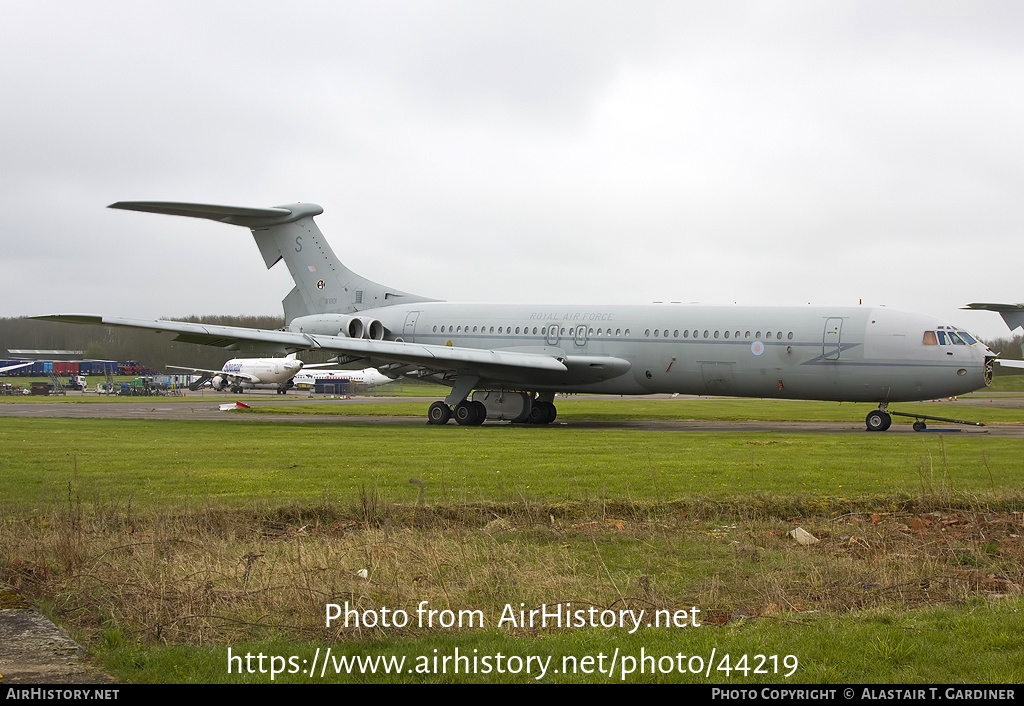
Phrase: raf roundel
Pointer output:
(320, 284)
(757, 348)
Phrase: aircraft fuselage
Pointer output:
(265, 371)
(855, 354)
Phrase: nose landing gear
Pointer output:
(880, 420)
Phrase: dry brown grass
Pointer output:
(213, 574)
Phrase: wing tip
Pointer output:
(69, 318)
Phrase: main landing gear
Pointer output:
(467, 413)
(516, 407)
(880, 420)
(439, 413)
(470, 414)
(541, 413)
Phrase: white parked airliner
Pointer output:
(513, 359)
(365, 378)
(239, 373)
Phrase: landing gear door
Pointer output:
(409, 331)
(831, 346)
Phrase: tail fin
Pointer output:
(322, 284)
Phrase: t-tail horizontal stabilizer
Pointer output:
(233, 215)
(1013, 314)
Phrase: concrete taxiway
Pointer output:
(202, 408)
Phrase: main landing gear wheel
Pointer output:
(877, 420)
(470, 414)
(542, 413)
(439, 413)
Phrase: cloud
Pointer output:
(518, 151)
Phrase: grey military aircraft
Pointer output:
(507, 362)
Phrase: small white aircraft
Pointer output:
(367, 377)
(239, 373)
(508, 361)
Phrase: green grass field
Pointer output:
(159, 545)
(162, 463)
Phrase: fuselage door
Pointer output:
(552, 335)
(409, 331)
(718, 377)
(581, 335)
(830, 345)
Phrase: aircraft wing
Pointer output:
(487, 364)
(204, 334)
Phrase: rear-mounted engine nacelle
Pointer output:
(370, 328)
(327, 325)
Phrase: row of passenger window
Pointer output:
(707, 333)
(500, 329)
(573, 332)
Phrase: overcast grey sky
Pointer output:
(608, 152)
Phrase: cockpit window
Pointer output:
(948, 338)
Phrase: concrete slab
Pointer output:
(35, 651)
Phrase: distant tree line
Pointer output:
(1008, 348)
(108, 343)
